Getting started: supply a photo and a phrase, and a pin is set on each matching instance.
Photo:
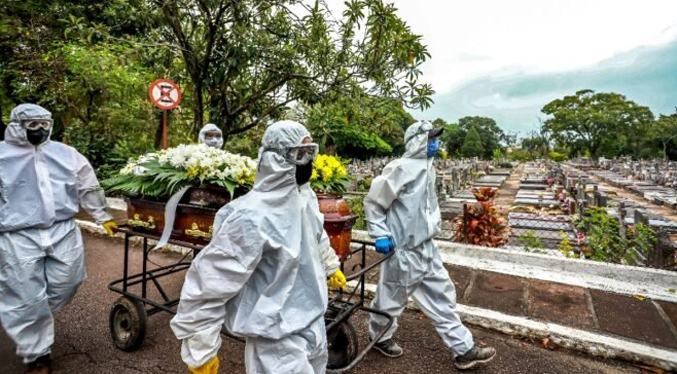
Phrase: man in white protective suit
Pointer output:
(42, 185)
(211, 136)
(403, 215)
(264, 273)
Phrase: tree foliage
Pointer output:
(604, 124)
(248, 60)
(665, 131)
(472, 145)
(239, 64)
(358, 127)
(490, 134)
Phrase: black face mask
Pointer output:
(37, 137)
(303, 173)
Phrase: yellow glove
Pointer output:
(337, 280)
(211, 367)
(111, 227)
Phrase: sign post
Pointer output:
(165, 95)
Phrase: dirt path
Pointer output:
(509, 190)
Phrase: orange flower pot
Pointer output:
(338, 222)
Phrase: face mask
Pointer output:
(37, 137)
(303, 173)
(433, 147)
(214, 142)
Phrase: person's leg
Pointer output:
(301, 353)
(316, 338)
(436, 296)
(24, 310)
(391, 297)
(64, 265)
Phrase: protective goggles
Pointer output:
(298, 155)
(37, 123)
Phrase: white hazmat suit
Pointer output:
(402, 205)
(264, 273)
(209, 141)
(41, 251)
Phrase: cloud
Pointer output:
(646, 75)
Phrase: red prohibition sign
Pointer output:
(164, 94)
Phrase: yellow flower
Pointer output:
(193, 171)
(326, 174)
(314, 175)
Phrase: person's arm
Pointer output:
(90, 194)
(329, 258)
(385, 189)
(216, 275)
(331, 263)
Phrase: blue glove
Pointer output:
(384, 245)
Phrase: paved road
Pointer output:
(83, 342)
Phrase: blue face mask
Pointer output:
(433, 147)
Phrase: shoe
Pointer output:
(475, 357)
(41, 365)
(389, 348)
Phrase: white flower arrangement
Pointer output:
(164, 172)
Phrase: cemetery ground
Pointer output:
(83, 343)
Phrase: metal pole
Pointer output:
(164, 129)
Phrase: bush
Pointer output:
(364, 185)
(603, 241)
(565, 246)
(557, 157)
(356, 205)
(483, 225)
(530, 242)
(518, 154)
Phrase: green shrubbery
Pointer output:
(604, 242)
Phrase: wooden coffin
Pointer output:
(195, 218)
(193, 223)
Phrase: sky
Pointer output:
(506, 59)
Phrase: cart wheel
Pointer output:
(342, 344)
(127, 323)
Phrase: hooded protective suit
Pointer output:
(215, 143)
(402, 205)
(264, 273)
(41, 251)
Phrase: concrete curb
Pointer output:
(629, 280)
(595, 344)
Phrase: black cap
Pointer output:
(434, 133)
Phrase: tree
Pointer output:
(247, 60)
(490, 133)
(665, 130)
(35, 34)
(472, 146)
(358, 127)
(597, 120)
(453, 138)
